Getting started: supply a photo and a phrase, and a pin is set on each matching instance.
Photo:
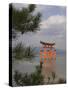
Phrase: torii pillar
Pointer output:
(47, 56)
(47, 52)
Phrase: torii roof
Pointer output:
(50, 44)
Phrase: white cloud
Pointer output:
(52, 21)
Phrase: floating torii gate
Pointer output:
(47, 52)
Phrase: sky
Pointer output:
(52, 27)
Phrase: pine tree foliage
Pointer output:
(24, 20)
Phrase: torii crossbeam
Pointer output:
(47, 51)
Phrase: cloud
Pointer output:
(53, 21)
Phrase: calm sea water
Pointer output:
(29, 66)
(24, 66)
(60, 65)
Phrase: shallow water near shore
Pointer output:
(29, 66)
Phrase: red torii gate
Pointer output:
(47, 51)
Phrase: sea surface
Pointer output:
(25, 66)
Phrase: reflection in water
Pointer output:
(58, 66)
